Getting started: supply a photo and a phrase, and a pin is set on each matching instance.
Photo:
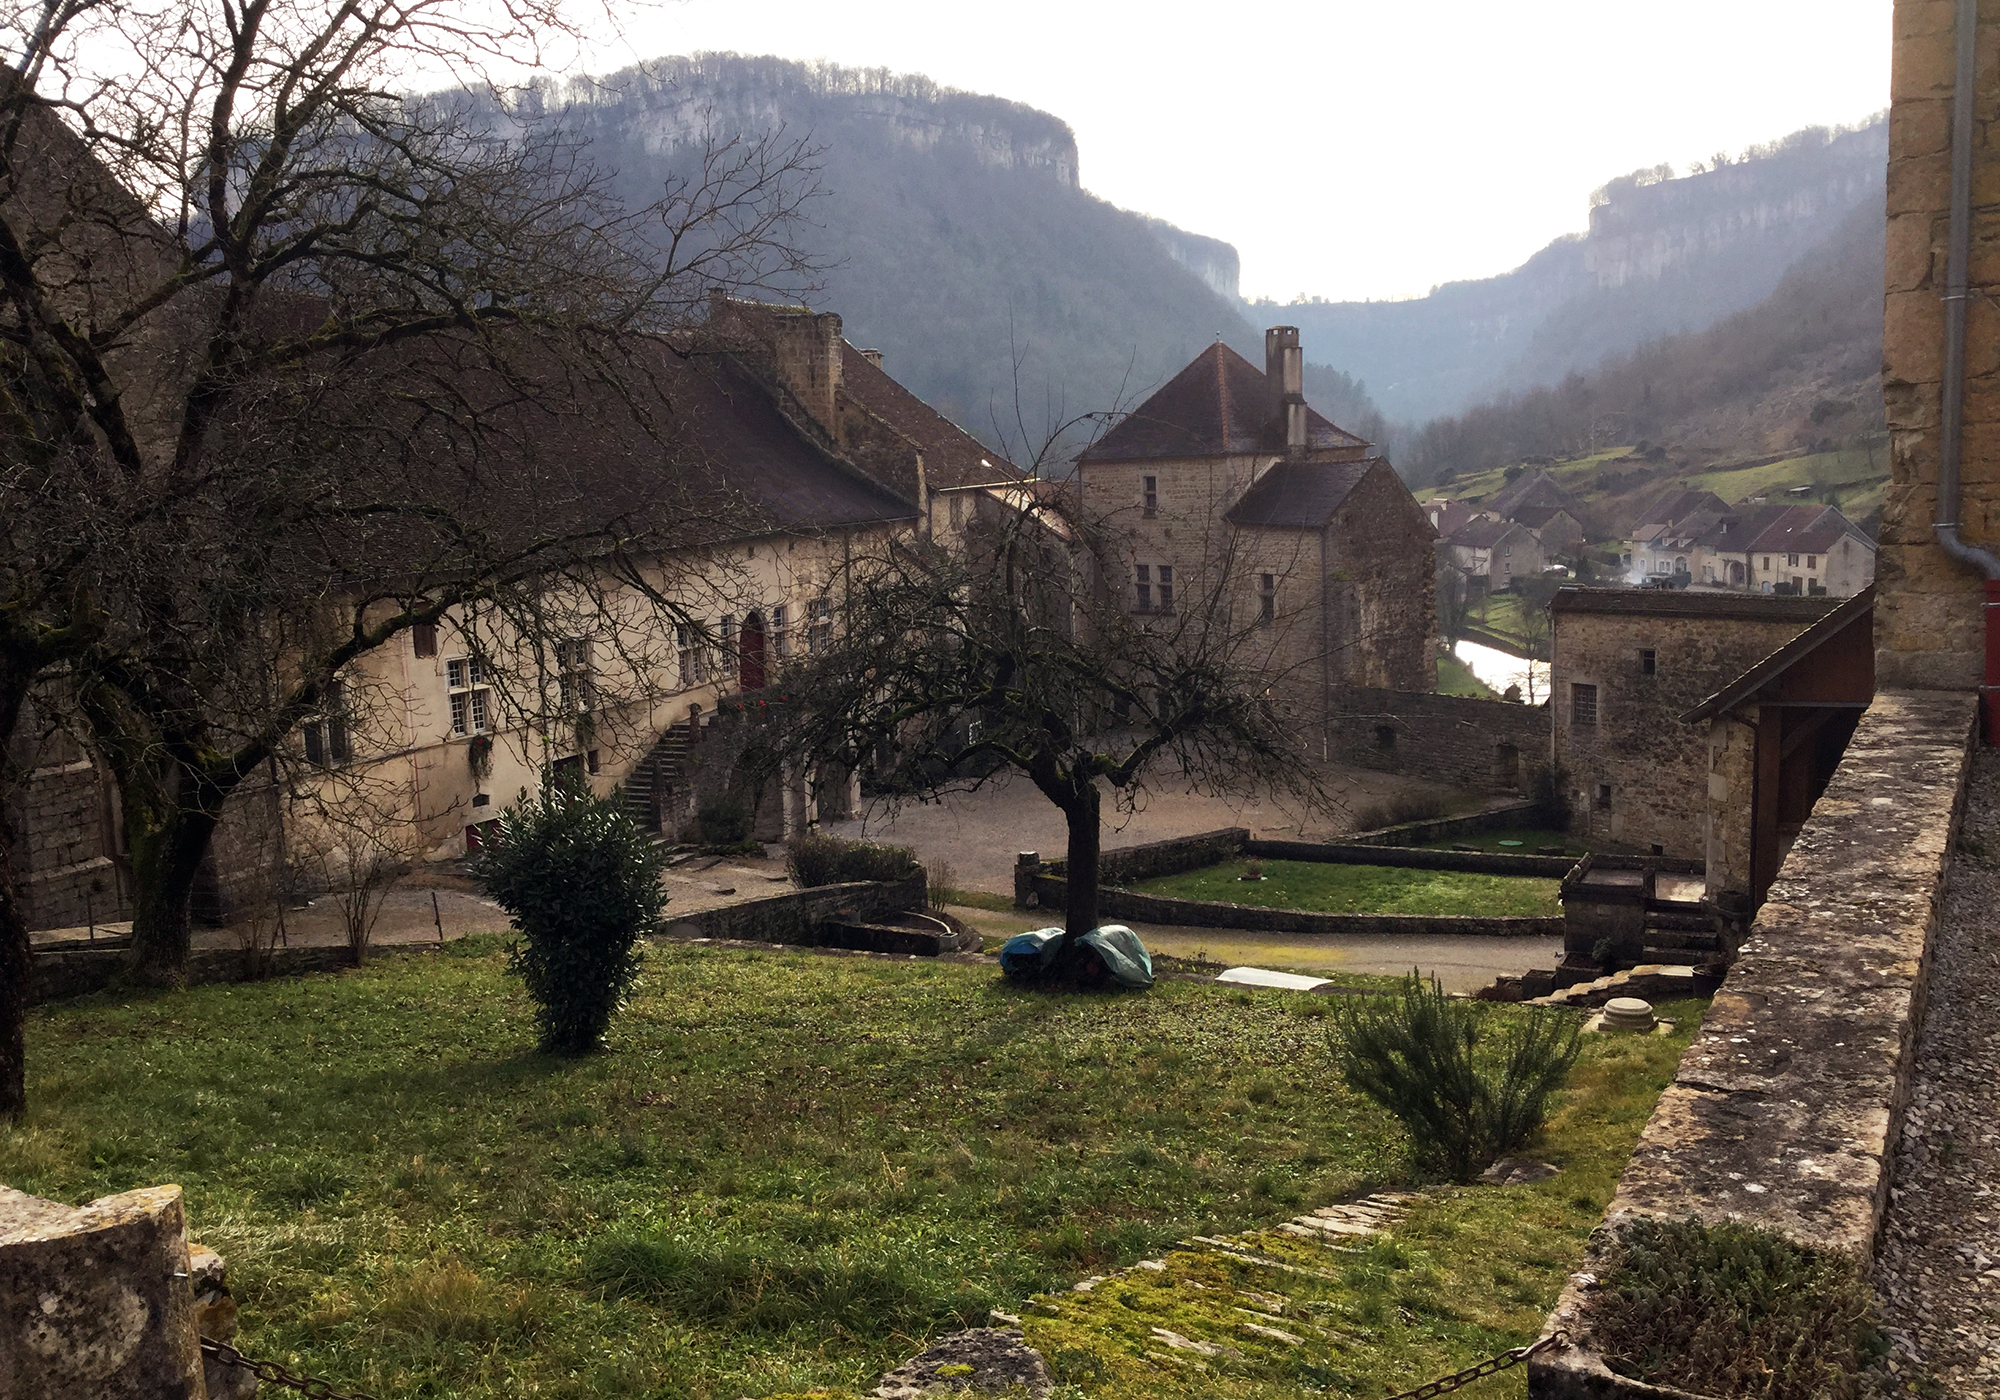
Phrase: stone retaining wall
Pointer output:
(1205, 913)
(1485, 745)
(793, 916)
(81, 971)
(1786, 1107)
(1448, 828)
(1414, 858)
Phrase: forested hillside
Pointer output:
(1663, 255)
(1799, 371)
(956, 235)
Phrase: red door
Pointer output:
(750, 653)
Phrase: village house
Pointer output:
(1626, 665)
(1494, 554)
(809, 449)
(1692, 538)
(1229, 486)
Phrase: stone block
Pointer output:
(1911, 252)
(97, 1300)
(989, 1359)
(1913, 335)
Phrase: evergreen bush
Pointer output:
(724, 821)
(581, 882)
(1464, 1094)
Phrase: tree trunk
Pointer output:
(16, 966)
(166, 857)
(1080, 876)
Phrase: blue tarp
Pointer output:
(1123, 955)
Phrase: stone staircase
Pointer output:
(1653, 981)
(1690, 933)
(654, 776)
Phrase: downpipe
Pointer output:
(1951, 431)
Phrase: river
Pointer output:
(1499, 670)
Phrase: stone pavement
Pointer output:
(978, 834)
(1937, 1269)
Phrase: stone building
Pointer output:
(1775, 735)
(1495, 553)
(1761, 547)
(1231, 488)
(1625, 666)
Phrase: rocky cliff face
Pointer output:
(1212, 260)
(1663, 255)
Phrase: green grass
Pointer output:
(1501, 613)
(1362, 889)
(787, 1172)
(1456, 678)
(1471, 1272)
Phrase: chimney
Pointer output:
(798, 347)
(874, 357)
(1284, 373)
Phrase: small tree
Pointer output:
(1023, 653)
(582, 884)
(1430, 1060)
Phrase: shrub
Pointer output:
(724, 821)
(815, 860)
(1403, 807)
(582, 884)
(1732, 1310)
(1464, 1095)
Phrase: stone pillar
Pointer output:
(97, 1300)
(1027, 865)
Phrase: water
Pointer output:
(1499, 670)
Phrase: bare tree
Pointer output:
(227, 247)
(1023, 653)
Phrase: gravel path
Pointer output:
(1938, 1266)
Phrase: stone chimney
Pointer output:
(1285, 373)
(874, 357)
(800, 346)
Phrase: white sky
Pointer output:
(1351, 148)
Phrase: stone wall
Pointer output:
(1929, 627)
(65, 822)
(793, 917)
(1654, 765)
(1787, 1105)
(1383, 591)
(1448, 828)
(1485, 745)
(1203, 913)
(75, 972)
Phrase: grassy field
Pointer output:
(1456, 678)
(1501, 613)
(787, 1172)
(1363, 889)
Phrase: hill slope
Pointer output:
(958, 234)
(1663, 255)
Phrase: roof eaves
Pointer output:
(1784, 658)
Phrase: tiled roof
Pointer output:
(1535, 517)
(1483, 533)
(1446, 516)
(1670, 602)
(1300, 495)
(1675, 503)
(1220, 405)
(1538, 488)
(952, 456)
(1805, 529)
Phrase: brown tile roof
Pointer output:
(1538, 488)
(1805, 529)
(1677, 502)
(1665, 602)
(1535, 517)
(1483, 533)
(1300, 495)
(952, 456)
(1218, 406)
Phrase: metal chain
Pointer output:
(1444, 1385)
(276, 1374)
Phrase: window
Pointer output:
(1604, 797)
(571, 763)
(424, 638)
(1649, 662)
(1267, 597)
(819, 625)
(1582, 705)
(1767, 563)
(1812, 561)
(1149, 490)
(1166, 588)
(471, 701)
(692, 656)
(781, 631)
(729, 658)
(1385, 737)
(957, 511)
(1791, 561)
(573, 679)
(326, 734)
(1143, 580)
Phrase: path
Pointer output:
(978, 834)
(1937, 1269)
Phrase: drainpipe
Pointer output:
(1952, 408)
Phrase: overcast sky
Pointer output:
(1352, 148)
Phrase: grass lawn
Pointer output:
(1362, 889)
(1500, 613)
(787, 1172)
(1456, 678)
